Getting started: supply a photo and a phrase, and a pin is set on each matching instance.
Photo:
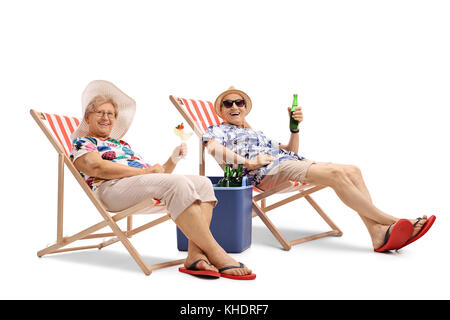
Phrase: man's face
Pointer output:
(233, 109)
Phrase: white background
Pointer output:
(373, 80)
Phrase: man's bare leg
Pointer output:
(373, 227)
(335, 176)
(356, 178)
(347, 182)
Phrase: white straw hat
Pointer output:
(126, 108)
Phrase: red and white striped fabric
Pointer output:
(202, 113)
(62, 127)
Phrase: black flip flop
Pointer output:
(203, 273)
(243, 277)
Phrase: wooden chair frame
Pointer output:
(109, 220)
(303, 191)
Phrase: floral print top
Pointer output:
(249, 144)
(110, 149)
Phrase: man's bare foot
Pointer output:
(419, 225)
(379, 237)
(380, 230)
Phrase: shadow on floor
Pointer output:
(107, 259)
(262, 236)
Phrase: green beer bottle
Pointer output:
(222, 182)
(236, 176)
(293, 124)
(239, 175)
(227, 180)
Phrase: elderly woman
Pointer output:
(269, 163)
(120, 178)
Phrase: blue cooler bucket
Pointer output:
(231, 223)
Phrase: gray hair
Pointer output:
(98, 101)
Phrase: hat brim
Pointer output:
(126, 108)
(219, 99)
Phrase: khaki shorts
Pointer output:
(294, 170)
(176, 191)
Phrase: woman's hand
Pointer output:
(297, 114)
(179, 152)
(259, 161)
(156, 168)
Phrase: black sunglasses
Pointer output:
(229, 103)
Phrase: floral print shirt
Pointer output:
(249, 144)
(110, 149)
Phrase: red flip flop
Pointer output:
(399, 235)
(202, 273)
(422, 231)
(230, 276)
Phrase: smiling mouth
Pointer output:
(104, 124)
(235, 114)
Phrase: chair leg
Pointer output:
(263, 203)
(324, 216)
(122, 237)
(146, 226)
(117, 231)
(127, 244)
(132, 232)
(129, 225)
(202, 158)
(271, 226)
(59, 220)
(313, 237)
(68, 240)
(260, 211)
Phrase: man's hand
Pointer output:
(259, 161)
(297, 114)
(156, 168)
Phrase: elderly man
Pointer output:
(268, 163)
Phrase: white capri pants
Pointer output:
(176, 191)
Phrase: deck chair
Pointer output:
(200, 114)
(58, 129)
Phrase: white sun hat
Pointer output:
(126, 108)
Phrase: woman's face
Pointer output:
(101, 120)
(233, 109)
